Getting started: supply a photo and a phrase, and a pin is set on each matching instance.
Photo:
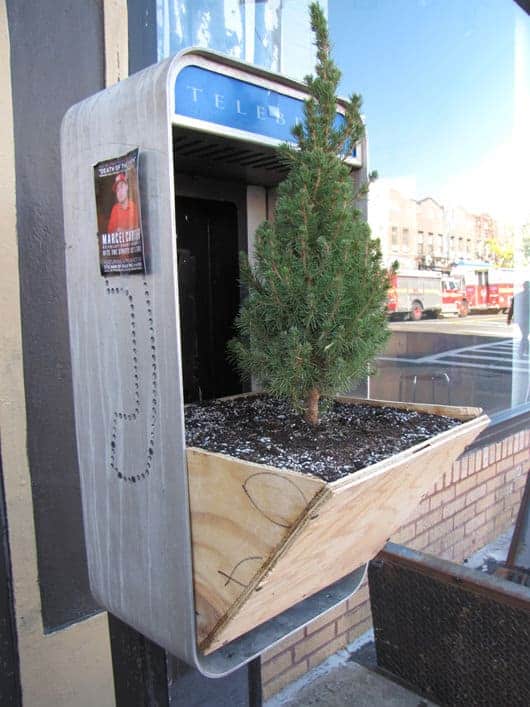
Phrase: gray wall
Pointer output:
(57, 58)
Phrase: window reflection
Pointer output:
(446, 98)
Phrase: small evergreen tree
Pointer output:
(314, 318)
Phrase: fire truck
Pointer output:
(414, 293)
(486, 287)
(454, 300)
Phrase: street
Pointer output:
(470, 361)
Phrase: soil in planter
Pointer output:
(267, 431)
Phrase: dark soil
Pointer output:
(349, 437)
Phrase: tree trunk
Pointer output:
(311, 406)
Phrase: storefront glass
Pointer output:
(273, 34)
(446, 95)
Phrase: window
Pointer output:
(466, 189)
(394, 238)
(405, 241)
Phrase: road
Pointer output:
(470, 361)
(477, 324)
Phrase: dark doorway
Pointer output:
(208, 271)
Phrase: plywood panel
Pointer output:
(259, 547)
(241, 514)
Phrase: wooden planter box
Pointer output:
(266, 538)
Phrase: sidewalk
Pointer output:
(347, 679)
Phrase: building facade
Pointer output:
(424, 233)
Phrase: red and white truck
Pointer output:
(486, 287)
(414, 293)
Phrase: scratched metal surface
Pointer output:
(126, 371)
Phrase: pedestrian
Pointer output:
(519, 312)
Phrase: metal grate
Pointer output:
(459, 640)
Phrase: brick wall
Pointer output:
(474, 502)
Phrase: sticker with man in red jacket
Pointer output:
(121, 247)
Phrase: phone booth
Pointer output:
(166, 176)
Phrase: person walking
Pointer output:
(519, 312)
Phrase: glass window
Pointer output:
(447, 114)
(269, 33)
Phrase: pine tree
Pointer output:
(314, 318)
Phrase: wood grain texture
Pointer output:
(264, 538)
(241, 514)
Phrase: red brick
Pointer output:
(509, 445)
(440, 530)
(420, 542)
(513, 501)
(456, 536)
(485, 502)
(475, 494)
(521, 457)
(428, 520)
(462, 549)
(314, 641)
(443, 497)
(284, 645)
(451, 508)
(489, 532)
(504, 447)
(475, 523)
(505, 465)
(273, 686)
(503, 521)
(360, 596)
(352, 618)
(405, 534)
(493, 511)
(277, 665)
(436, 501)
(325, 651)
(503, 491)
(498, 451)
(495, 483)
(520, 482)
(486, 474)
(422, 508)
(466, 484)
(516, 443)
(463, 516)
(328, 618)
(514, 473)
(358, 630)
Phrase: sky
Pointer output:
(446, 95)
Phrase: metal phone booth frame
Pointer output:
(125, 337)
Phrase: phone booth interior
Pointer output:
(147, 341)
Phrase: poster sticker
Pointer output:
(120, 239)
